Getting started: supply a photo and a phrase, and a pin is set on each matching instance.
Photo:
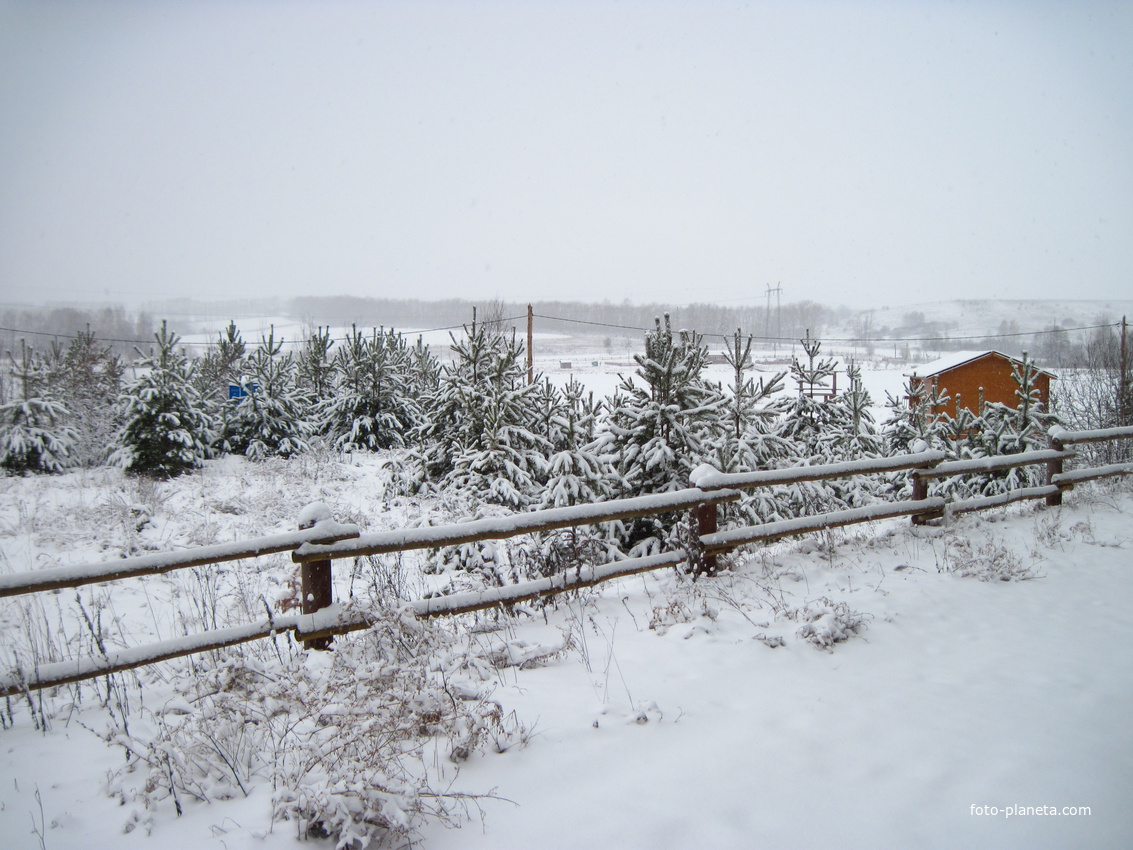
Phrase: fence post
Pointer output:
(316, 586)
(920, 491)
(705, 524)
(1053, 468)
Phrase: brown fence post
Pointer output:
(920, 491)
(706, 524)
(316, 586)
(1053, 468)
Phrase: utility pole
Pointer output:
(530, 353)
(1123, 380)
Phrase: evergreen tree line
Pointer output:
(476, 430)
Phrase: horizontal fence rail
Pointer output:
(707, 478)
(723, 541)
(992, 464)
(53, 578)
(502, 528)
(321, 540)
(327, 622)
(1067, 438)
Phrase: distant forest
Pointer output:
(41, 327)
(122, 329)
(790, 321)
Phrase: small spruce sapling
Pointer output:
(166, 430)
(35, 435)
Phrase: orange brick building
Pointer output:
(965, 374)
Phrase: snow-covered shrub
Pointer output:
(554, 552)
(1088, 395)
(678, 609)
(825, 623)
(346, 740)
(987, 561)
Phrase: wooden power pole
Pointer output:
(1123, 380)
(530, 353)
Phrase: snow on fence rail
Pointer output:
(707, 478)
(1058, 434)
(321, 539)
(322, 624)
(502, 528)
(53, 578)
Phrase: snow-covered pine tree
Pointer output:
(1007, 431)
(373, 407)
(818, 426)
(424, 376)
(808, 419)
(272, 417)
(575, 476)
(506, 462)
(479, 432)
(315, 369)
(916, 421)
(89, 376)
(221, 366)
(166, 430)
(480, 443)
(453, 418)
(859, 437)
(662, 426)
(214, 373)
(548, 412)
(34, 432)
(750, 440)
(852, 436)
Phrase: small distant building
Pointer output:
(964, 375)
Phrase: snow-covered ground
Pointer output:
(675, 715)
(717, 714)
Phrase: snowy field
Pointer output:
(875, 686)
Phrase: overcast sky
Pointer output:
(856, 153)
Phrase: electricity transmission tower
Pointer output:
(778, 291)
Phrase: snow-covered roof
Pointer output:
(959, 358)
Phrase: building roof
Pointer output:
(960, 358)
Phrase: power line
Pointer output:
(849, 339)
(586, 322)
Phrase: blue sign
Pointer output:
(237, 391)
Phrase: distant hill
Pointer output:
(979, 317)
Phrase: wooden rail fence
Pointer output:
(320, 540)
